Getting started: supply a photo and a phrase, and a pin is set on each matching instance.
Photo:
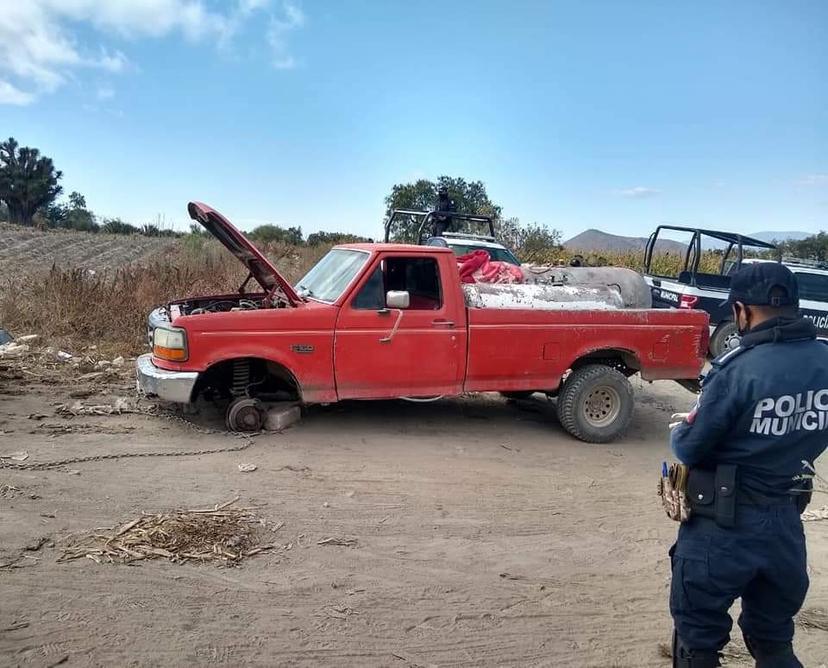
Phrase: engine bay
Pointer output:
(221, 304)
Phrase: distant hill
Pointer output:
(594, 241)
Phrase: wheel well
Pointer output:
(248, 376)
(622, 360)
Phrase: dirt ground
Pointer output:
(484, 536)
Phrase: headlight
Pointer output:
(170, 344)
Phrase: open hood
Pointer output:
(239, 245)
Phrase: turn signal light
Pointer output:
(170, 344)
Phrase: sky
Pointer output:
(609, 114)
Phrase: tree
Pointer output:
(118, 226)
(28, 181)
(78, 217)
(811, 248)
(274, 233)
(531, 243)
(326, 238)
(4, 213)
(470, 197)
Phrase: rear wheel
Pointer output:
(726, 337)
(596, 403)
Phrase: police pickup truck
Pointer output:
(693, 288)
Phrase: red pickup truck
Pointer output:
(380, 321)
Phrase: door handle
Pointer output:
(442, 323)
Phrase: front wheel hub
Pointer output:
(245, 414)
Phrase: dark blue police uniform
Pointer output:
(764, 409)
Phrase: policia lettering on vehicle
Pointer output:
(747, 452)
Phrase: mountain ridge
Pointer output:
(594, 240)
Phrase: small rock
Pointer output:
(73, 472)
(20, 456)
(118, 361)
(326, 505)
(62, 356)
(102, 364)
(247, 468)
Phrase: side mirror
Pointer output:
(397, 299)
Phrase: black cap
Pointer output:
(755, 284)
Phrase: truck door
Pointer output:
(419, 351)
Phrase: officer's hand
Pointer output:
(678, 418)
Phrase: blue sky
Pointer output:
(609, 114)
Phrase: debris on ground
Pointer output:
(343, 542)
(13, 349)
(280, 417)
(8, 491)
(813, 618)
(20, 456)
(5, 337)
(815, 514)
(220, 534)
(247, 468)
(119, 406)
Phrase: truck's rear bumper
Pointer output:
(175, 386)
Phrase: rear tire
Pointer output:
(596, 403)
(722, 338)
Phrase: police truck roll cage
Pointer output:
(426, 217)
(692, 255)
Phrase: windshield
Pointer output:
(496, 254)
(331, 275)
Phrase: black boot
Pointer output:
(689, 658)
(769, 654)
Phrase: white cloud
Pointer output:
(12, 95)
(638, 192)
(105, 93)
(291, 18)
(40, 48)
(814, 180)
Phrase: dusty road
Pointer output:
(485, 536)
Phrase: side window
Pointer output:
(372, 294)
(813, 287)
(420, 277)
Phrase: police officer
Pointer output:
(762, 412)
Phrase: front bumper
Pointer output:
(175, 386)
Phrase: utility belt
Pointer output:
(714, 494)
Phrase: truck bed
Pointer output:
(517, 349)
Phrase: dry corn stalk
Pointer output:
(221, 534)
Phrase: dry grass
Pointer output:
(221, 534)
(74, 307)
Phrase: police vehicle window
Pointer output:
(813, 287)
